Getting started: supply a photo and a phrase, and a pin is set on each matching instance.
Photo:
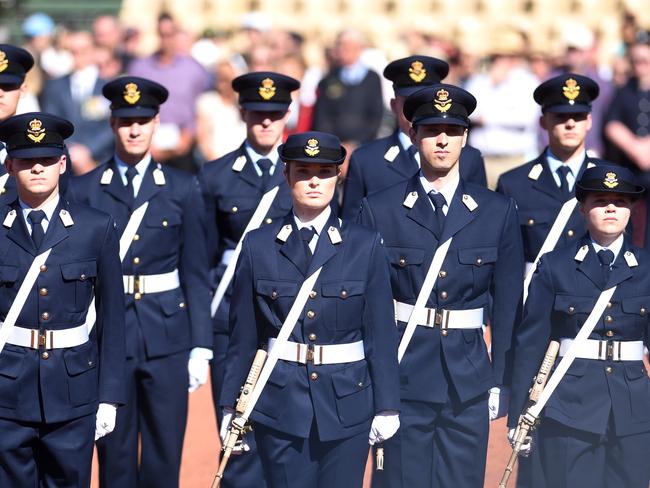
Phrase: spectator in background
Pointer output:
(349, 98)
(109, 34)
(43, 43)
(219, 127)
(78, 98)
(185, 79)
(505, 120)
(302, 105)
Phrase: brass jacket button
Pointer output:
(45, 316)
(313, 294)
(43, 292)
(402, 262)
(344, 294)
(43, 268)
(269, 221)
(609, 369)
(570, 233)
(314, 376)
(609, 333)
(274, 294)
(312, 337)
(443, 295)
(442, 274)
(311, 314)
(444, 332)
(45, 355)
(136, 260)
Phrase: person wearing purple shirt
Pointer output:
(177, 132)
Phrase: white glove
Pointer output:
(498, 402)
(105, 419)
(526, 447)
(226, 418)
(198, 367)
(383, 427)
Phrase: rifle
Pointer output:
(528, 421)
(239, 424)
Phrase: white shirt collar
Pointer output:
(447, 191)
(48, 208)
(615, 246)
(141, 168)
(255, 157)
(404, 140)
(574, 163)
(317, 223)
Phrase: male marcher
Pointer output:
(165, 277)
(542, 186)
(388, 160)
(233, 187)
(62, 365)
(445, 370)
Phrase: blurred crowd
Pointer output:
(342, 88)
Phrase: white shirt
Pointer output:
(48, 208)
(573, 163)
(82, 82)
(447, 191)
(615, 246)
(141, 168)
(353, 74)
(255, 157)
(405, 142)
(317, 223)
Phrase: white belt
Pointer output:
(151, 283)
(325, 354)
(227, 256)
(603, 350)
(444, 319)
(50, 339)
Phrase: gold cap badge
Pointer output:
(417, 72)
(571, 90)
(4, 62)
(610, 180)
(312, 149)
(131, 93)
(267, 90)
(442, 101)
(36, 132)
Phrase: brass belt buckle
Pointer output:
(310, 354)
(610, 350)
(442, 319)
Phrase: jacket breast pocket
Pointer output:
(235, 211)
(347, 299)
(163, 228)
(273, 398)
(78, 279)
(638, 385)
(535, 225)
(276, 297)
(637, 309)
(8, 275)
(174, 309)
(11, 365)
(404, 265)
(353, 390)
(83, 379)
(481, 260)
(569, 312)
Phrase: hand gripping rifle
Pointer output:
(239, 424)
(529, 420)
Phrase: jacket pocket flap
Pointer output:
(79, 271)
(533, 217)
(237, 203)
(572, 304)
(351, 380)
(164, 220)
(11, 363)
(81, 359)
(477, 255)
(343, 289)
(634, 371)
(636, 305)
(172, 303)
(8, 274)
(578, 367)
(276, 289)
(403, 256)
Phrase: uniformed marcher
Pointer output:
(62, 365)
(389, 160)
(233, 187)
(166, 289)
(542, 186)
(595, 428)
(335, 387)
(445, 369)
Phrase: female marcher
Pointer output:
(335, 387)
(595, 428)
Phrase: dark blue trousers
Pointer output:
(575, 459)
(437, 445)
(156, 410)
(294, 462)
(46, 455)
(244, 470)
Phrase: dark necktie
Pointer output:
(562, 172)
(265, 165)
(606, 257)
(412, 150)
(438, 201)
(306, 235)
(131, 172)
(36, 217)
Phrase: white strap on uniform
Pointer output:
(50, 339)
(255, 221)
(125, 242)
(21, 297)
(571, 353)
(551, 239)
(324, 354)
(3, 181)
(423, 296)
(444, 319)
(605, 350)
(154, 283)
(282, 339)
